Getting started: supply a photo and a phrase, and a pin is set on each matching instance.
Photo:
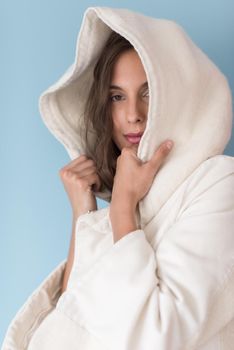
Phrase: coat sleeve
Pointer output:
(38, 305)
(177, 297)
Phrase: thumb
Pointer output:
(160, 154)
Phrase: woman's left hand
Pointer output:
(133, 177)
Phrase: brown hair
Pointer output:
(97, 112)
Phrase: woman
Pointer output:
(153, 270)
(128, 102)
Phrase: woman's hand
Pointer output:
(78, 177)
(132, 181)
(133, 177)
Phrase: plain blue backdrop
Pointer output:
(37, 45)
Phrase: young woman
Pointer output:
(128, 97)
(155, 269)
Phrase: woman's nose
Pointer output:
(135, 112)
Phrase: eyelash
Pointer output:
(111, 97)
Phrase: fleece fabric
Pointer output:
(168, 285)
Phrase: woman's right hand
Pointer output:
(78, 176)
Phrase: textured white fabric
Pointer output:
(57, 331)
(168, 285)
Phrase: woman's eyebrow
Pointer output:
(145, 84)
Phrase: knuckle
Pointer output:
(80, 183)
(126, 150)
(67, 173)
(62, 172)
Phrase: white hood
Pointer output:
(190, 100)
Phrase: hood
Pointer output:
(190, 100)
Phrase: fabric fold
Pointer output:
(150, 294)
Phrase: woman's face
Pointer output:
(129, 98)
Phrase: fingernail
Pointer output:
(169, 144)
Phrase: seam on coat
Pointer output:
(83, 328)
(193, 200)
(38, 318)
(28, 334)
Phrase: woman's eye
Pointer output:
(115, 98)
(146, 93)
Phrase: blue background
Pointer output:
(37, 45)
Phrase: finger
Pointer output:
(134, 151)
(97, 184)
(94, 182)
(86, 171)
(160, 154)
(79, 159)
(131, 150)
(80, 163)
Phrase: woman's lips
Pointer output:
(133, 139)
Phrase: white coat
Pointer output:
(170, 284)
